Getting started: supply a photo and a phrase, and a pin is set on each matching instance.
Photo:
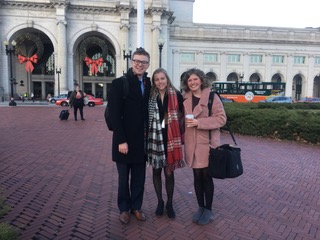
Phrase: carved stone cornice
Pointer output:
(156, 27)
(63, 3)
(62, 21)
(121, 7)
(60, 3)
(217, 33)
(155, 10)
(26, 5)
(160, 11)
(125, 25)
(92, 9)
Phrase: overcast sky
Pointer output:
(272, 13)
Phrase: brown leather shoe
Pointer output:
(124, 217)
(139, 215)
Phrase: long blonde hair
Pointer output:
(154, 89)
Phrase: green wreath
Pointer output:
(91, 41)
(33, 38)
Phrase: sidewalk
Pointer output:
(27, 103)
(61, 183)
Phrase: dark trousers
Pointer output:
(75, 111)
(131, 189)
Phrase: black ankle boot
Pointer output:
(159, 210)
(170, 211)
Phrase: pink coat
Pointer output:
(196, 145)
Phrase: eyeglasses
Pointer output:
(138, 62)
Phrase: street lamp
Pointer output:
(127, 55)
(58, 72)
(241, 75)
(160, 44)
(9, 53)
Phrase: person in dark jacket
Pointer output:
(164, 136)
(77, 102)
(129, 118)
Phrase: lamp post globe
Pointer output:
(160, 44)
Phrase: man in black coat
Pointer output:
(129, 118)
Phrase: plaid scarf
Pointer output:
(156, 153)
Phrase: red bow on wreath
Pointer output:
(94, 64)
(29, 61)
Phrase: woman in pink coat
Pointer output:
(198, 124)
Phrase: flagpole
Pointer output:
(140, 23)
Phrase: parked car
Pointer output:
(310, 100)
(278, 99)
(92, 101)
(55, 98)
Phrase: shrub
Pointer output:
(7, 232)
(298, 121)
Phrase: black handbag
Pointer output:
(225, 160)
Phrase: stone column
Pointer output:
(43, 90)
(268, 68)
(246, 66)
(124, 41)
(289, 77)
(62, 49)
(307, 89)
(156, 29)
(223, 68)
(176, 71)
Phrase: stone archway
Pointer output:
(297, 87)
(34, 64)
(316, 86)
(233, 77)
(276, 78)
(255, 77)
(94, 64)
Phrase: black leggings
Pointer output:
(157, 182)
(75, 110)
(203, 186)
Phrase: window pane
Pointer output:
(187, 57)
(210, 57)
(234, 58)
(299, 59)
(278, 59)
(256, 58)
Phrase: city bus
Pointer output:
(249, 91)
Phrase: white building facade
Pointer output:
(60, 43)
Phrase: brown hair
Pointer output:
(186, 75)
(141, 51)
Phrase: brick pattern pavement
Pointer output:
(61, 184)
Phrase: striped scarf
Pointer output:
(156, 152)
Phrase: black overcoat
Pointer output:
(129, 118)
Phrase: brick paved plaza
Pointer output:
(60, 181)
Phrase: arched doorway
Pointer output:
(34, 64)
(233, 77)
(297, 87)
(316, 86)
(255, 77)
(95, 64)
